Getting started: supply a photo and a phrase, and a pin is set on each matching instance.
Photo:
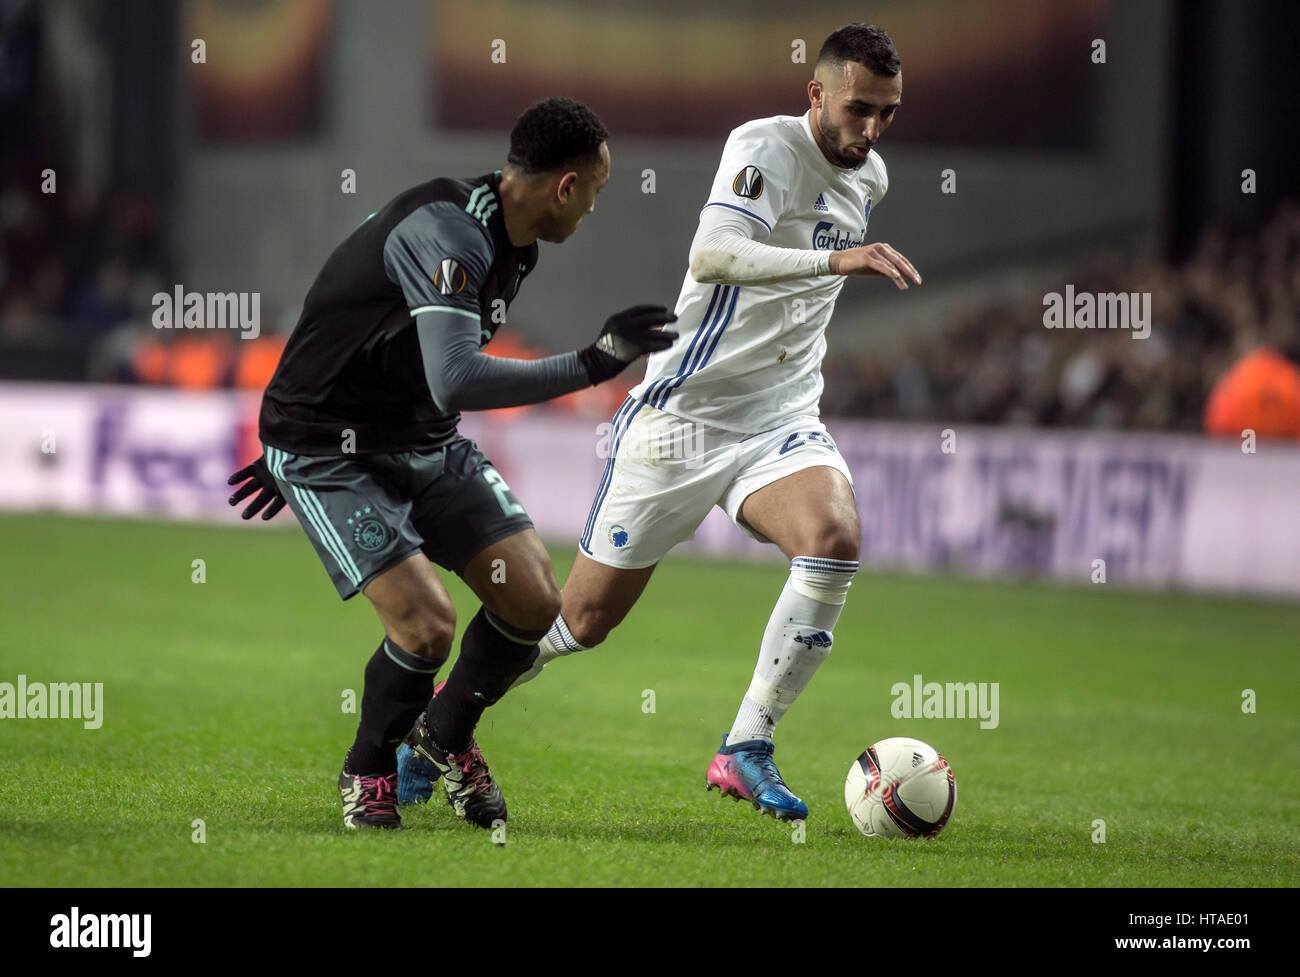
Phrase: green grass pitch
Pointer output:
(223, 703)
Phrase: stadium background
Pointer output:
(240, 173)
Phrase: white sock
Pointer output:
(797, 640)
(558, 641)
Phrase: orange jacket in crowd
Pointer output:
(1261, 391)
(206, 362)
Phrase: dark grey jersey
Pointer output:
(437, 255)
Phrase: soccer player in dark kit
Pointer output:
(358, 427)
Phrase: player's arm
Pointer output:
(441, 259)
(462, 377)
(726, 251)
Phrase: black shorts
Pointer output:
(367, 513)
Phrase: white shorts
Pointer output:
(665, 473)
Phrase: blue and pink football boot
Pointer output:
(745, 771)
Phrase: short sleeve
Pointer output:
(439, 257)
(754, 176)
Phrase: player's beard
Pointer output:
(831, 139)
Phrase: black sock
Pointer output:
(492, 655)
(397, 686)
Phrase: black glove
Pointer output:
(627, 335)
(261, 481)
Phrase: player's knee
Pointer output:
(533, 607)
(836, 541)
(427, 632)
(436, 639)
(545, 607)
(433, 642)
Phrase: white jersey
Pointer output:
(749, 357)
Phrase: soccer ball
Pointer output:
(900, 788)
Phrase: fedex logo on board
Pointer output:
(160, 452)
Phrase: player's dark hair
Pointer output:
(554, 133)
(866, 44)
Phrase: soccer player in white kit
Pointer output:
(729, 415)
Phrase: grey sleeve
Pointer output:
(439, 257)
(462, 377)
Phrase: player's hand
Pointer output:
(875, 259)
(256, 478)
(627, 335)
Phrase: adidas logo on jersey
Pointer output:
(820, 205)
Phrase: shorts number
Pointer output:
(508, 506)
(799, 439)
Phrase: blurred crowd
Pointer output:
(1000, 365)
(76, 257)
(78, 272)
(78, 275)
(80, 264)
(78, 260)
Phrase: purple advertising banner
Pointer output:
(1142, 509)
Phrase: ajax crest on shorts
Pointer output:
(368, 532)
